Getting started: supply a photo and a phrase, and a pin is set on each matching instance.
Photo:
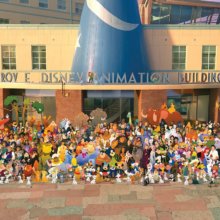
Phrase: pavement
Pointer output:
(109, 201)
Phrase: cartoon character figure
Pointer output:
(44, 158)
(105, 171)
(62, 151)
(113, 171)
(91, 76)
(102, 158)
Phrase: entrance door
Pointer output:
(115, 104)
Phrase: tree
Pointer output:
(13, 101)
(26, 103)
(39, 107)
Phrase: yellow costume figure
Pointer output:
(171, 108)
(62, 152)
(43, 159)
(74, 162)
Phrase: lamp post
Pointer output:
(63, 82)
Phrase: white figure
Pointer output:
(2, 180)
(151, 178)
(165, 177)
(161, 179)
(93, 180)
(28, 181)
(204, 178)
(7, 178)
(186, 183)
(118, 179)
(128, 179)
(179, 178)
(54, 178)
(20, 181)
(74, 181)
(88, 177)
(141, 181)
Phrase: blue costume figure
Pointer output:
(68, 157)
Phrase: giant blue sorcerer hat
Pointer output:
(110, 40)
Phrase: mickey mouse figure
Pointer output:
(105, 171)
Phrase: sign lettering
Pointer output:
(143, 78)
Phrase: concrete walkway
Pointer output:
(109, 201)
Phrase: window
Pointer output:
(43, 3)
(24, 22)
(208, 57)
(8, 58)
(39, 57)
(179, 57)
(4, 0)
(79, 8)
(24, 1)
(61, 5)
(4, 21)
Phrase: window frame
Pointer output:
(41, 4)
(58, 4)
(77, 8)
(24, 3)
(179, 53)
(5, 19)
(39, 57)
(9, 57)
(206, 55)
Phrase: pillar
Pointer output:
(3, 94)
(214, 112)
(69, 103)
(150, 99)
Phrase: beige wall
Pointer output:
(60, 43)
(159, 44)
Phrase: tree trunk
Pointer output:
(15, 108)
(23, 114)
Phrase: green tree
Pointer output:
(13, 101)
(39, 107)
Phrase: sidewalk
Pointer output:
(109, 201)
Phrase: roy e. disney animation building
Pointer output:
(114, 62)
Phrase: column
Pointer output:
(214, 100)
(3, 94)
(68, 104)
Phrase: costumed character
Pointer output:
(44, 157)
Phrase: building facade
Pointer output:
(37, 63)
(69, 11)
(180, 11)
(40, 11)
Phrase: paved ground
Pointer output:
(109, 201)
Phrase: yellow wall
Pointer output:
(159, 43)
(59, 41)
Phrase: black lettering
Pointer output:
(27, 77)
(44, 78)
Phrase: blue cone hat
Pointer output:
(110, 41)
